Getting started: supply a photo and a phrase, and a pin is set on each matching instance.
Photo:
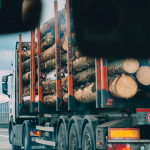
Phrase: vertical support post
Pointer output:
(41, 107)
(72, 103)
(98, 82)
(21, 109)
(20, 70)
(33, 106)
(31, 74)
(104, 81)
(58, 58)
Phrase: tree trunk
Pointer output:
(26, 77)
(50, 24)
(47, 52)
(73, 41)
(82, 63)
(143, 75)
(123, 86)
(123, 66)
(26, 64)
(49, 87)
(45, 56)
(86, 94)
(50, 64)
(49, 39)
(26, 54)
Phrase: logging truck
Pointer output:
(61, 99)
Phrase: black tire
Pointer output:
(10, 134)
(87, 139)
(62, 138)
(73, 138)
(14, 147)
(25, 139)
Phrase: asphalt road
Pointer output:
(4, 143)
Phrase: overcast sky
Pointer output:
(8, 41)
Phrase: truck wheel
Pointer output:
(73, 138)
(62, 138)
(10, 134)
(87, 139)
(14, 147)
(25, 139)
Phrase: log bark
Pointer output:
(82, 63)
(73, 41)
(86, 94)
(143, 75)
(50, 64)
(45, 56)
(49, 87)
(49, 39)
(50, 24)
(128, 65)
(123, 86)
(26, 54)
(51, 49)
(26, 77)
(49, 100)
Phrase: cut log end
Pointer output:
(143, 75)
(123, 86)
(130, 65)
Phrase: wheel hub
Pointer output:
(88, 143)
(73, 143)
(62, 140)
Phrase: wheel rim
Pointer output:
(87, 143)
(73, 142)
(25, 140)
(62, 141)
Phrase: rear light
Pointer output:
(123, 133)
(119, 147)
(35, 133)
(109, 145)
(128, 145)
(142, 147)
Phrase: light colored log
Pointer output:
(143, 75)
(123, 86)
(128, 65)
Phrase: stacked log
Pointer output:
(143, 75)
(122, 82)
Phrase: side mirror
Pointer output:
(5, 88)
(5, 79)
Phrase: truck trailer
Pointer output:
(107, 123)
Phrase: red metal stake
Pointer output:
(104, 74)
(40, 103)
(33, 107)
(98, 82)
(70, 75)
(31, 73)
(20, 70)
(58, 57)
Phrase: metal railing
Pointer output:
(4, 112)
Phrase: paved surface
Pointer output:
(4, 143)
